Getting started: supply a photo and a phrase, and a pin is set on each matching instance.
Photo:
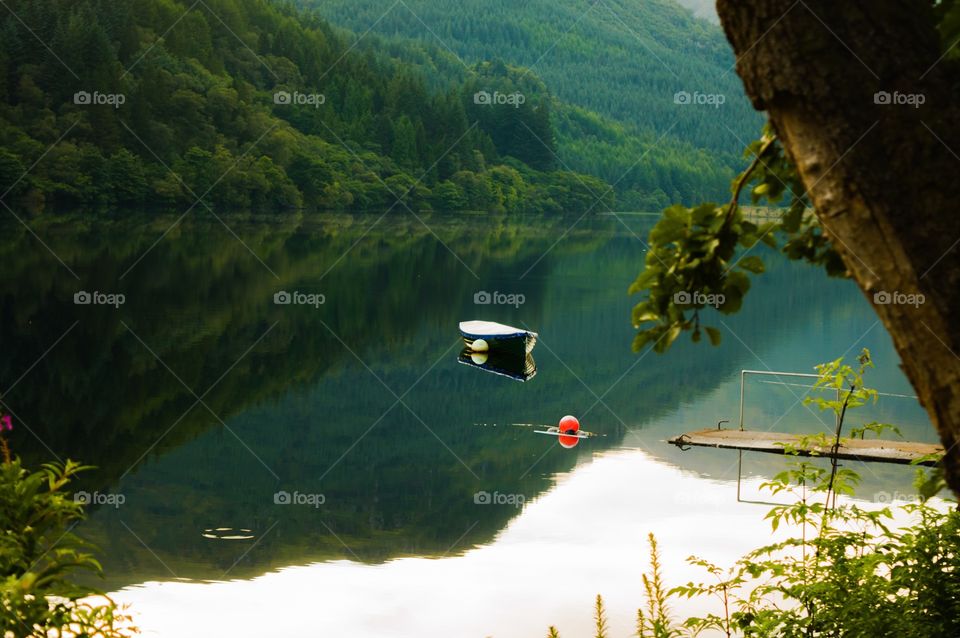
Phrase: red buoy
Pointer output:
(568, 425)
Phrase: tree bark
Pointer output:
(884, 177)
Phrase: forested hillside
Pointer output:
(616, 68)
(248, 103)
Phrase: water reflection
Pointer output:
(586, 536)
(228, 534)
(361, 399)
(519, 366)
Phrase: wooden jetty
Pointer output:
(876, 450)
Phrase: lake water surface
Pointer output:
(320, 469)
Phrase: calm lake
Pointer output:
(319, 468)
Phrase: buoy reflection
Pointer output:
(567, 431)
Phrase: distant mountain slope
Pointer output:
(620, 58)
(252, 104)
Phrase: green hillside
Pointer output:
(249, 104)
(615, 67)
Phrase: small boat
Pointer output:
(484, 335)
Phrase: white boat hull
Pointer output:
(498, 335)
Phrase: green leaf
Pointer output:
(673, 225)
(644, 311)
(752, 263)
(711, 246)
(670, 337)
(714, 335)
(736, 281)
(643, 338)
(667, 231)
(706, 214)
(644, 279)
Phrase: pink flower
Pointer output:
(5, 423)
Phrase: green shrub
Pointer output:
(849, 573)
(39, 555)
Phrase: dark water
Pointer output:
(199, 399)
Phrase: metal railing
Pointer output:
(771, 373)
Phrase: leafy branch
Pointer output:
(843, 571)
(39, 554)
(699, 258)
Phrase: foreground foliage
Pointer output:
(851, 572)
(39, 555)
(702, 257)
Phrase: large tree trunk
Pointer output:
(884, 178)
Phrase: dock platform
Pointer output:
(876, 450)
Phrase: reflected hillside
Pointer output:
(204, 305)
(199, 300)
(308, 396)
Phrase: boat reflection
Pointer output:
(516, 365)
